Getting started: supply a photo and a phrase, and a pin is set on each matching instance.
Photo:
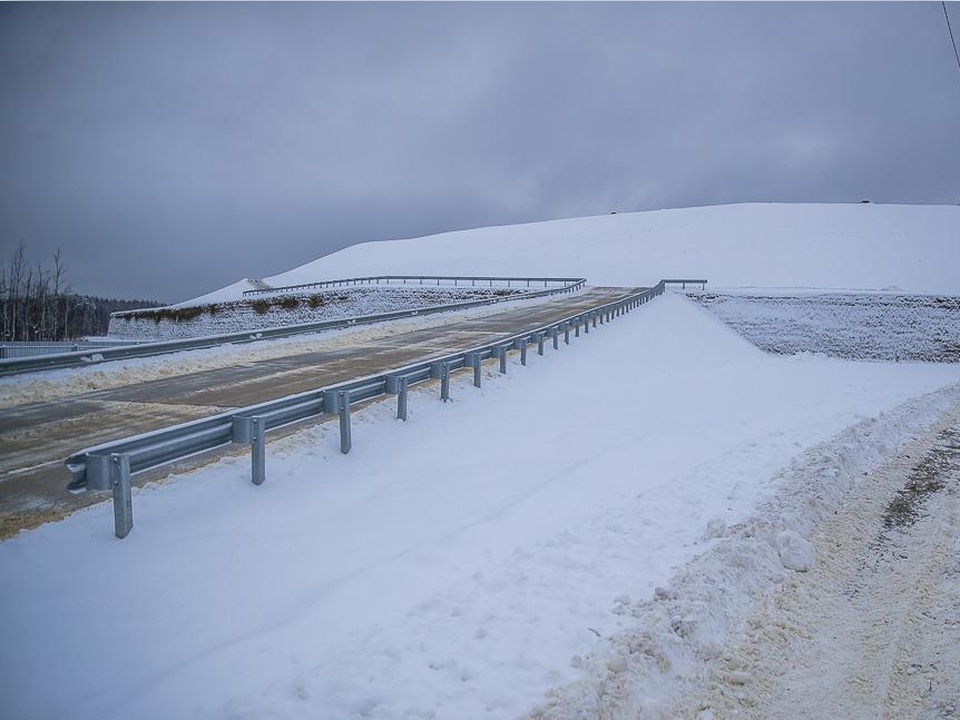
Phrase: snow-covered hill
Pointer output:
(915, 248)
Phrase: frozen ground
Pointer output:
(496, 556)
(876, 326)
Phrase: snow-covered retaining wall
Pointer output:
(176, 323)
(868, 326)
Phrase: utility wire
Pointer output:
(943, 4)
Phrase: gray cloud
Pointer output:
(173, 148)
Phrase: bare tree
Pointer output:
(59, 289)
(16, 278)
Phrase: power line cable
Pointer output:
(946, 16)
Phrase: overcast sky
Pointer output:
(171, 149)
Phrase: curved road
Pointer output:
(37, 437)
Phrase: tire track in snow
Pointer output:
(739, 634)
(873, 630)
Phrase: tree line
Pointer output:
(37, 303)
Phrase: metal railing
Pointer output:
(683, 283)
(109, 466)
(451, 280)
(16, 349)
(148, 349)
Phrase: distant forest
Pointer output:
(36, 302)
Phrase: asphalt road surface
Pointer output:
(37, 437)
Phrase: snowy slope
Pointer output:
(911, 247)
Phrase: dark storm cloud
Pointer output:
(173, 148)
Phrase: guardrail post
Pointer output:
(444, 382)
(539, 343)
(566, 333)
(576, 328)
(343, 398)
(252, 430)
(523, 352)
(474, 361)
(555, 336)
(502, 354)
(122, 494)
(258, 451)
(402, 398)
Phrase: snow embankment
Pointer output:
(308, 306)
(871, 630)
(865, 246)
(465, 563)
(718, 640)
(865, 326)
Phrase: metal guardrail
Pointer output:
(455, 280)
(16, 349)
(81, 358)
(110, 465)
(683, 283)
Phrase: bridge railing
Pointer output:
(436, 280)
(109, 466)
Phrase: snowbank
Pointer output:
(220, 318)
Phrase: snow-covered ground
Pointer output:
(878, 326)
(462, 564)
(204, 319)
(583, 537)
(913, 248)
